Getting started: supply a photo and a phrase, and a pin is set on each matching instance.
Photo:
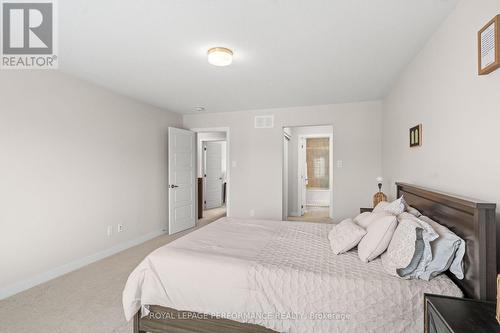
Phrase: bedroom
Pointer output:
(84, 162)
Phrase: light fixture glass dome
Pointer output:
(220, 56)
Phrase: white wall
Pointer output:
(459, 110)
(256, 179)
(74, 159)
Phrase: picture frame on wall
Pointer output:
(416, 136)
(489, 47)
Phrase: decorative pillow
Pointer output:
(428, 235)
(405, 249)
(447, 249)
(345, 235)
(380, 207)
(377, 238)
(413, 211)
(396, 207)
(457, 266)
(365, 219)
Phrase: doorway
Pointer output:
(308, 173)
(212, 174)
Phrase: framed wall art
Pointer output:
(416, 136)
(489, 47)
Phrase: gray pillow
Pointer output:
(447, 252)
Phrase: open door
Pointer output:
(212, 174)
(181, 180)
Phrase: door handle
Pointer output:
(173, 186)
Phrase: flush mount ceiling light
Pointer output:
(220, 56)
(199, 109)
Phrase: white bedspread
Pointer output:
(281, 275)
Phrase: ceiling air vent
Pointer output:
(264, 121)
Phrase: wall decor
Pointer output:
(416, 136)
(489, 46)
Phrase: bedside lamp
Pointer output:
(379, 196)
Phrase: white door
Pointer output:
(181, 180)
(303, 181)
(212, 174)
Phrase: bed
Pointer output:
(238, 275)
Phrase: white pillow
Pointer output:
(380, 207)
(366, 218)
(405, 249)
(428, 235)
(447, 250)
(378, 236)
(396, 207)
(345, 235)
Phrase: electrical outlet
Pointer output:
(120, 227)
(110, 230)
(340, 164)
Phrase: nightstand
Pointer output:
(365, 210)
(444, 314)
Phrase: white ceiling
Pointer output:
(286, 52)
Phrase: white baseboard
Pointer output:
(73, 265)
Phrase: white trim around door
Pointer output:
(302, 164)
(228, 161)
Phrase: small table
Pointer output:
(365, 210)
(444, 314)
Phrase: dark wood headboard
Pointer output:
(473, 221)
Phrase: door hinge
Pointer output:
(205, 148)
(204, 175)
(205, 202)
(302, 206)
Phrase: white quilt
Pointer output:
(281, 275)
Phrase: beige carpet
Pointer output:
(87, 300)
(314, 214)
